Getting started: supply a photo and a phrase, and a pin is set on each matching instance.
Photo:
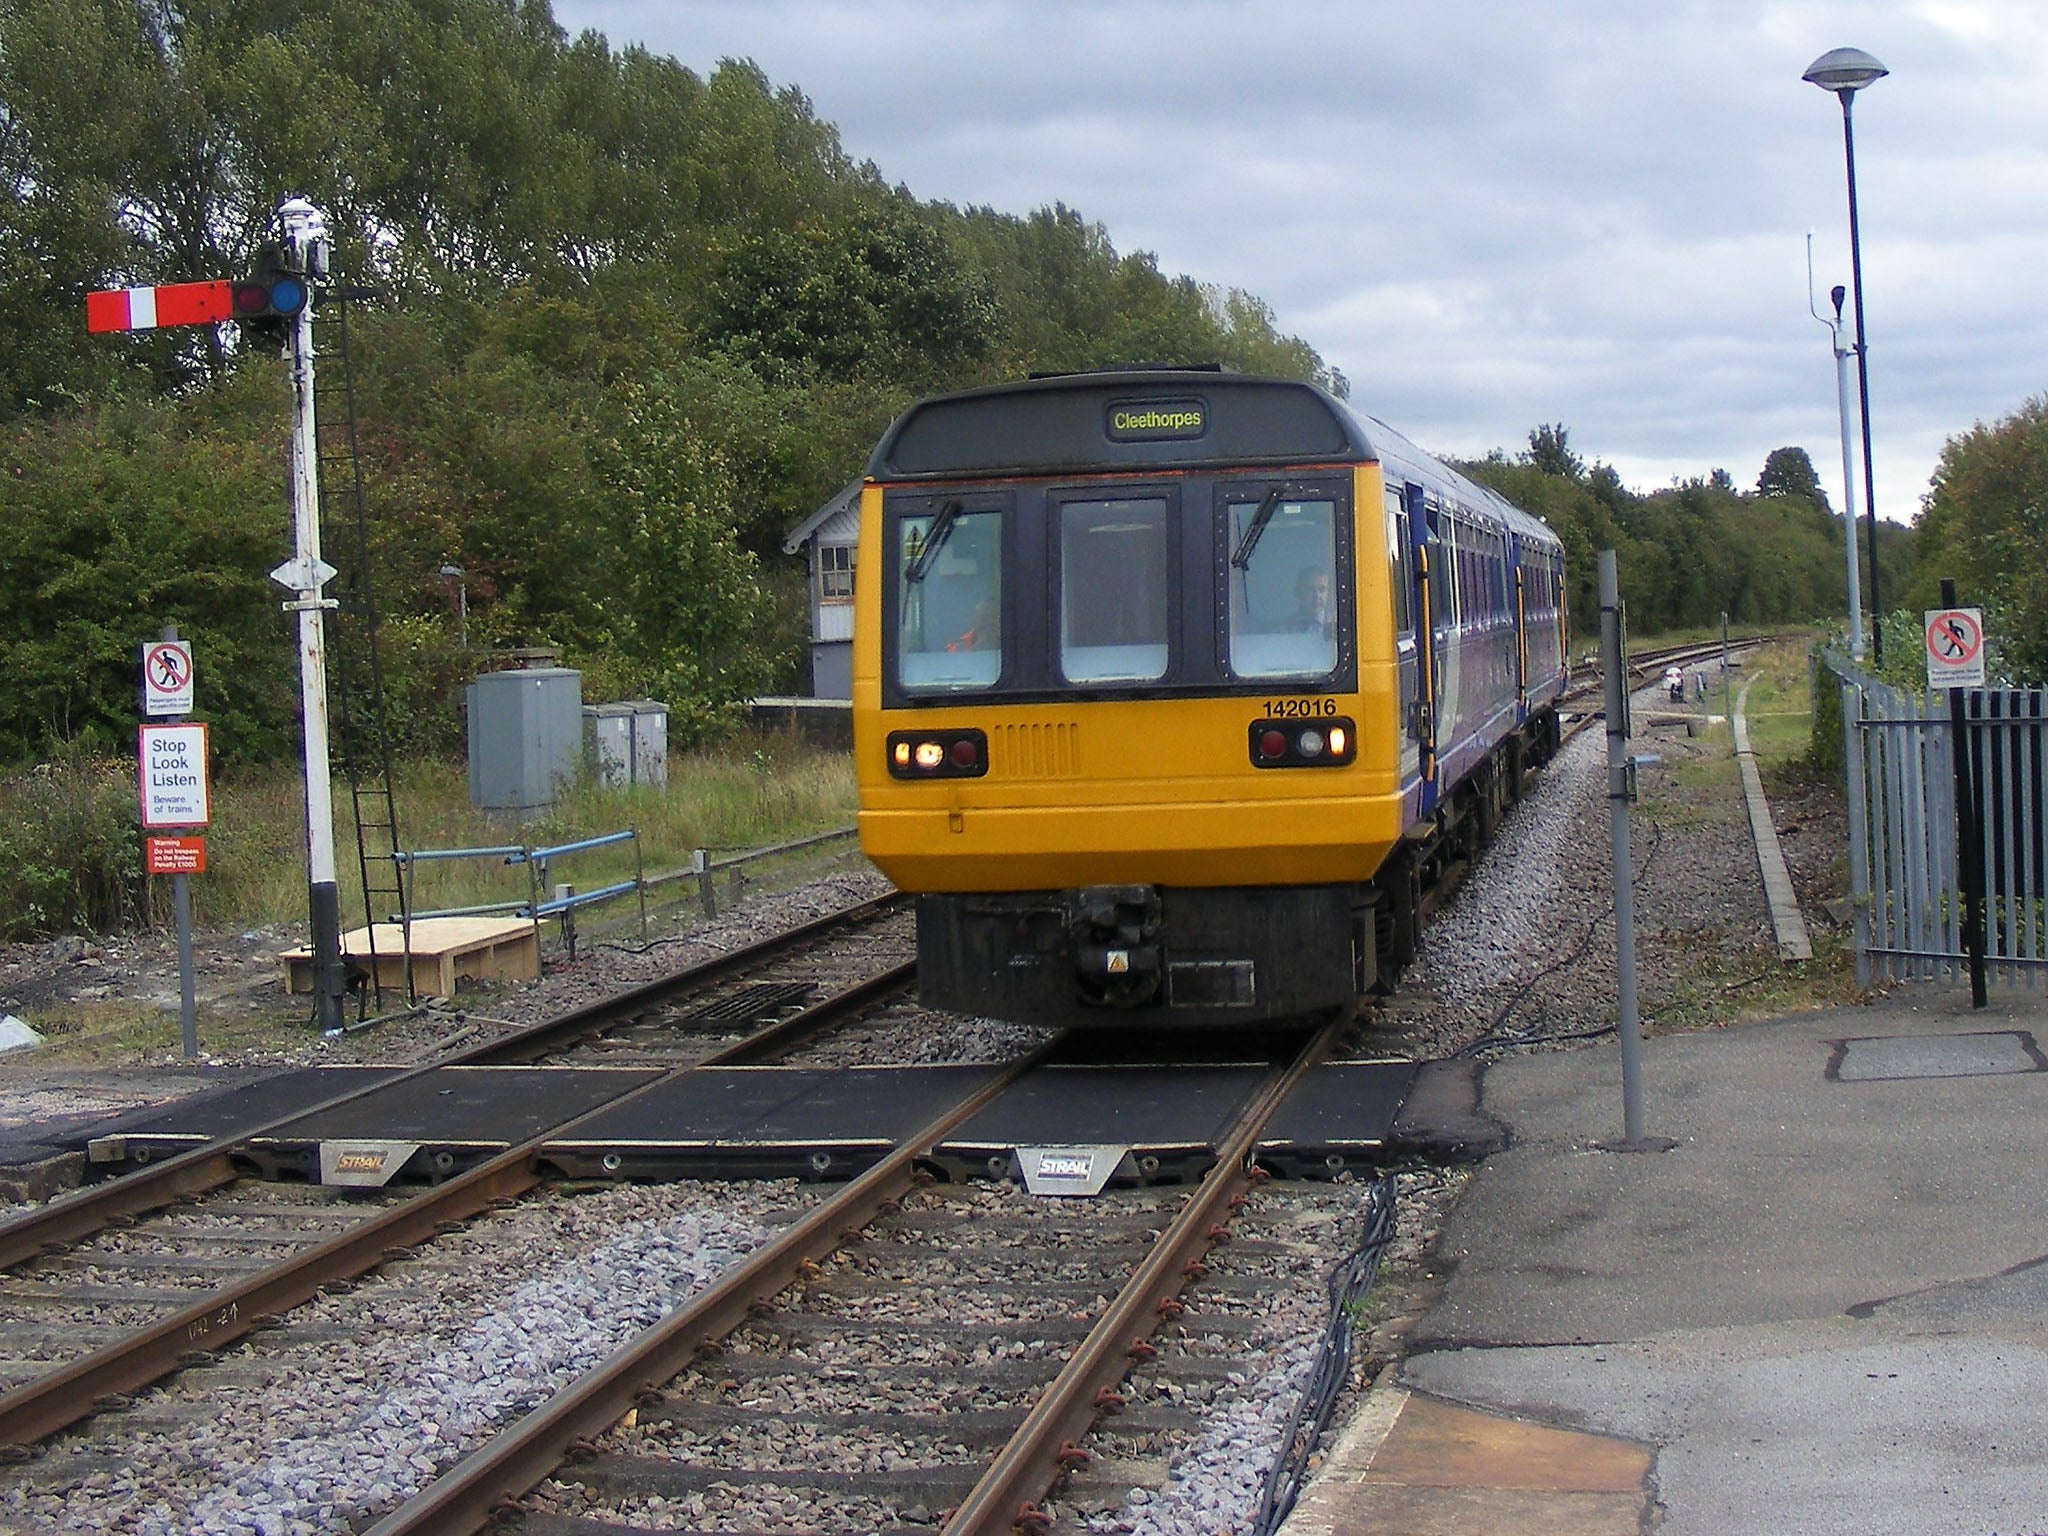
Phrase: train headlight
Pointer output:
(951, 753)
(1331, 742)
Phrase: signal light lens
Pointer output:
(1273, 744)
(965, 754)
(1340, 741)
(900, 755)
(929, 755)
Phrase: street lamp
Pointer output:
(1845, 71)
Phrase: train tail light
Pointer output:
(942, 754)
(1327, 742)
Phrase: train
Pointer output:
(1177, 690)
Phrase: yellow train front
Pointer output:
(1174, 691)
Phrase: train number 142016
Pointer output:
(1299, 709)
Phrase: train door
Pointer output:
(1518, 616)
(1431, 609)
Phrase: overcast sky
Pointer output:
(1490, 214)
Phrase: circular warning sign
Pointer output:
(167, 677)
(1955, 648)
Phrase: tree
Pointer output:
(1985, 524)
(1789, 472)
(1549, 452)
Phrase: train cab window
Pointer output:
(949, 573)
(1114, 566)
(1284, 599)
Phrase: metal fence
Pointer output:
(1904, 844)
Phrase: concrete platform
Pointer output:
(445, 952)
(1819, 1311)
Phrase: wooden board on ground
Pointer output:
(445, 951)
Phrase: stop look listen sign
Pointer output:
(171, 761)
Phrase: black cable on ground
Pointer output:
(1317, 1404)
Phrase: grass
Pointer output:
(1719, 986)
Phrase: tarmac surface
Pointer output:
(1815, 1303)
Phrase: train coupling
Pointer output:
(1115, 933)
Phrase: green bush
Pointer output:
(71, 849)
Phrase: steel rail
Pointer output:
(38, 1409)
(541, 1039)
(1047, 1442)
(491, 1481)
(75, 1216)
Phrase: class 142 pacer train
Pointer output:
(1176, 690)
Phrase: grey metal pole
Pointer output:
(1616, 695)
(181, 911)
(1842, 351)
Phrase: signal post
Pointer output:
(274, 304)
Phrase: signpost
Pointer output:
(1955, 661)
(170, 770)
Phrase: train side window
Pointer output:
(949, 592)
(1114, 568)
(1285, 602)
(1397, 565)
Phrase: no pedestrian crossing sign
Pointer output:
(172, 764)
(1955, 648)
(167, 677)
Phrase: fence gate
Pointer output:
(1899, 752)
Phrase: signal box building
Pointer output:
(826, 539)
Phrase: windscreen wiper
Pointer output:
(934, 540)
(1260, 518)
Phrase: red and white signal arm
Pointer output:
(167, 677)
(1955, 648)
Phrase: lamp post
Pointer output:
(1845, 71)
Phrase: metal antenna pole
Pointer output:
(1842, 351)
(305, 574)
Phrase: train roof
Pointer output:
(1158, 418)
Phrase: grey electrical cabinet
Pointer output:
(525, 737)
(627, 744)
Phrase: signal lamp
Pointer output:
(267, 301)
(899, 755)
(1272, 743)
(929, 755)
(1310, 743)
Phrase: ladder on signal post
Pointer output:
(361, 721)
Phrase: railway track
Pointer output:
(1011, 1325)
(123, 1283)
